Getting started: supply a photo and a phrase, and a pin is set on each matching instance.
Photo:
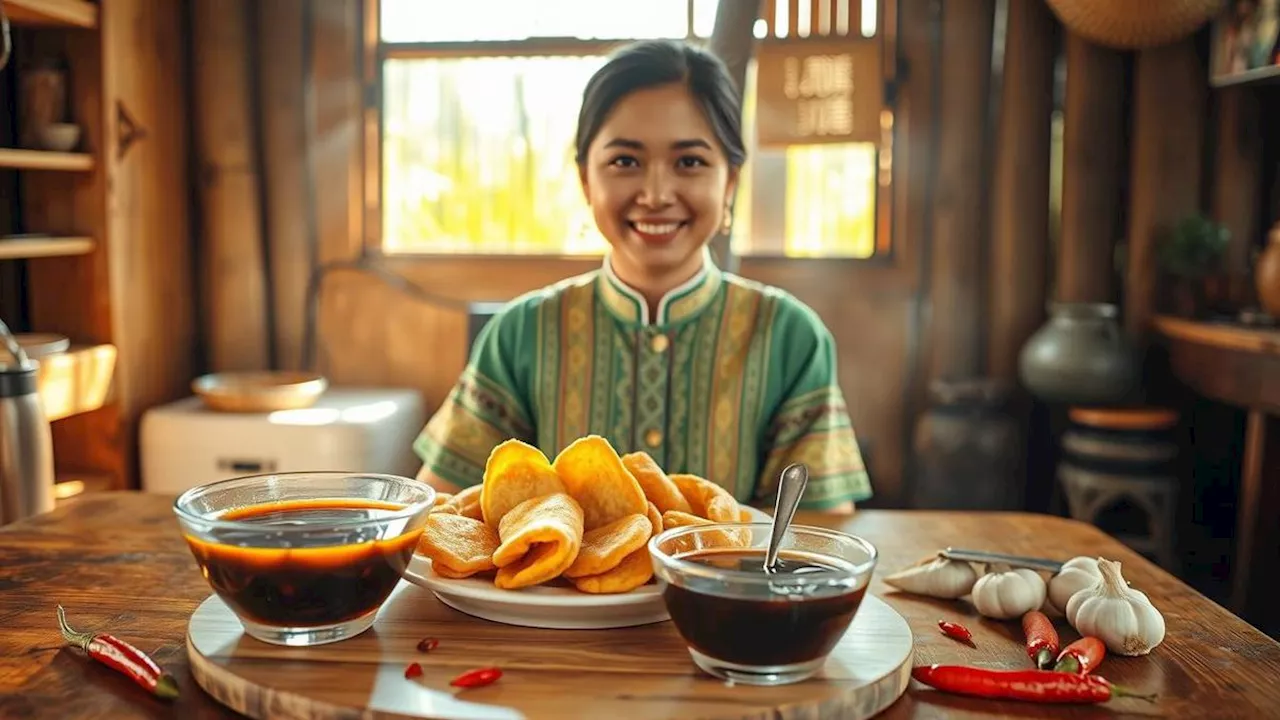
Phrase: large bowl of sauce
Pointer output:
(747, 625)
(304, 558)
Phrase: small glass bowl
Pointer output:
(305, 558)
(742, 624)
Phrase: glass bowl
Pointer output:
(304, 558)
(742, 624)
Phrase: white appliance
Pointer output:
(184, 444)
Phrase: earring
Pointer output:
(727, 225)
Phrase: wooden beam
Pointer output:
(1164, 183)
(234, 266)
(1020, 202)
(957, 269)
(1091, 166)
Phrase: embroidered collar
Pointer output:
(681, 303)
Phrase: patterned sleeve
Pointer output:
(485, 407)
(812, 426)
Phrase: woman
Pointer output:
(658, 350)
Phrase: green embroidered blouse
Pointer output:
(732, 381)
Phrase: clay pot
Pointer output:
(967, 448)
(1079, 357)
(1266, 275)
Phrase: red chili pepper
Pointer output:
(412, 671)
(476, 678)
(428, 645)
(123, 657)
(1082, 656)
(1042, 639)
(957, 631)
(1039, 686)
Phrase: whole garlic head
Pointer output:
(935, 577)
(1076, 574)
(1005, 593)
(1116, 614)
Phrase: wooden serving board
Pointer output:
(634, 673)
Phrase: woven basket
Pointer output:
(1134, 24)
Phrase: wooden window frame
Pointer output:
(374, 53)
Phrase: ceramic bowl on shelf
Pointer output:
(305, 558)
(60, 137)
(38, 345)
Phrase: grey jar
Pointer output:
(1080, 357)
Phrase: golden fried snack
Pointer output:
(441, 499)
(605, 547)
(540, 538)
(707, 499)
(594, 476)
(655, 484)
(744, 515)
(635, 570)
(458, 546)
(702, 541)
(466, 503)
(445, 571)
(655, 518)
(515, 472)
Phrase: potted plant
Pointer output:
(1190, 256)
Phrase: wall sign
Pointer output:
(818, 91)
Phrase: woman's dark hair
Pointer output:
(650, 63)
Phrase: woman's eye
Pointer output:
(625, 161)
(691, 161)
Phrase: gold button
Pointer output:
(653, 437)
(659, 343)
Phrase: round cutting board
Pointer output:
(636, 672)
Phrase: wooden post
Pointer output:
(1091, 166)
(1020, 202)
(1164, 182)
(957, 266)
(235, 296)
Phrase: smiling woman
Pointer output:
(658, 351)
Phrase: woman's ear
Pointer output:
(732, 186)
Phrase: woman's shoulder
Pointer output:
(788, 316)
(527, 305)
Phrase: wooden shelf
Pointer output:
(44, 160)
(1256, 76)
(76, 381)
(57, 13)
(17, 246)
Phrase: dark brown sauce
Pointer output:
(772, 629)
(305, 586)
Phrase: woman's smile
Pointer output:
(657, 232)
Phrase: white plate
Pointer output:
(545, 606)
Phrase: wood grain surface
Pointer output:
(636, 673)
(118, 564)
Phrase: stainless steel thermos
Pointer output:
(26, 441)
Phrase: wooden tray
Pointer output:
(634, 673)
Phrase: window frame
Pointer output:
(374, 53)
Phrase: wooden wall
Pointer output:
(973, 261)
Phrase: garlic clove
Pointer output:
(935, 576)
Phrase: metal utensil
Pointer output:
(982, 556)
(790, 489)
(14, 347)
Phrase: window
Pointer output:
(478, 108)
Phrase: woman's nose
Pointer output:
(658, 190)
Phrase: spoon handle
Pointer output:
(790, 490)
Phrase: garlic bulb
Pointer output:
(1006, 593)
(1076, 574)
(936, 577)
(1116, 614)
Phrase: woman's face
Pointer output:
(658, 184)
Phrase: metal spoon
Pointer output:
(790, 489)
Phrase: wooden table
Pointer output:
(116, 561)
(1241, 367)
